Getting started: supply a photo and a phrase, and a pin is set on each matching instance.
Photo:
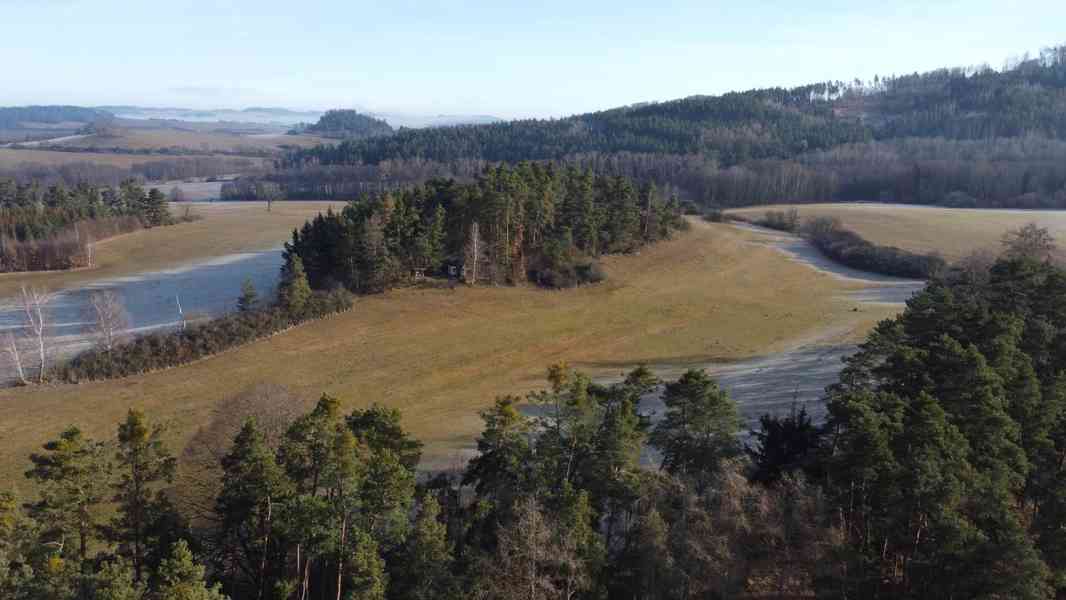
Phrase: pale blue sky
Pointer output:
(511, 59)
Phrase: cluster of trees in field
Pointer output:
(843, 245)
(55, 227)
(347, 124)
(537, 222)
(938, 473)
(96, 173)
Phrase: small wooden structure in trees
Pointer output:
(418, 274)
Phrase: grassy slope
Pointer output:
(442, 355)
(226, 228)
(950, 231)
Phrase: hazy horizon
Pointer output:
(480, 58)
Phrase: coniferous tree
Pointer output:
(182, 579)
(294, 290)
(143, 463)
(155, 209)
(425, 573)
(253, 490)
(73, 479)
(115, 581)
(699, 428)
(246, 302)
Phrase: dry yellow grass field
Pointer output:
(226, 228)
(201, 141)
(442, 355)
(10, 157)
(952, 232)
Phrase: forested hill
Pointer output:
(1027, 99)
(774, 123)
(348, 124)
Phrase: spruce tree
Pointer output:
(182, 579)
(425, 572)
(155, 209)
(246, 302)
(294, 291)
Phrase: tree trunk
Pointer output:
(340, 554)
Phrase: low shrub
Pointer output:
(172, 348)
(851, 249)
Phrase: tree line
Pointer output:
(537, 222)
(939, 472)
(159, 169)
(55, 227)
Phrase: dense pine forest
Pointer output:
(948, 484)
(54, 227)
(535, 222)
(973, 137)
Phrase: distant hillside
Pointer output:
(776, 123)
(347, 124)
(732, 128)
(33, 117)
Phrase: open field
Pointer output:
(442, 355)
(200, 141)
(11, 157)
(953, 232)
(227, 228)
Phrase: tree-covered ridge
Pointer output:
(1028, 98)
(348, 124)
(529, 222)
(776, 123)
(731, 128)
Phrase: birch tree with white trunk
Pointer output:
(34, 302)
(111, 322)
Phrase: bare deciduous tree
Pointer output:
(472, 254)
(274, 408)
(110, 320)
(34, 302)
(11, 347)
(1031, 241)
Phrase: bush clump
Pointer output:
(169, 349)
